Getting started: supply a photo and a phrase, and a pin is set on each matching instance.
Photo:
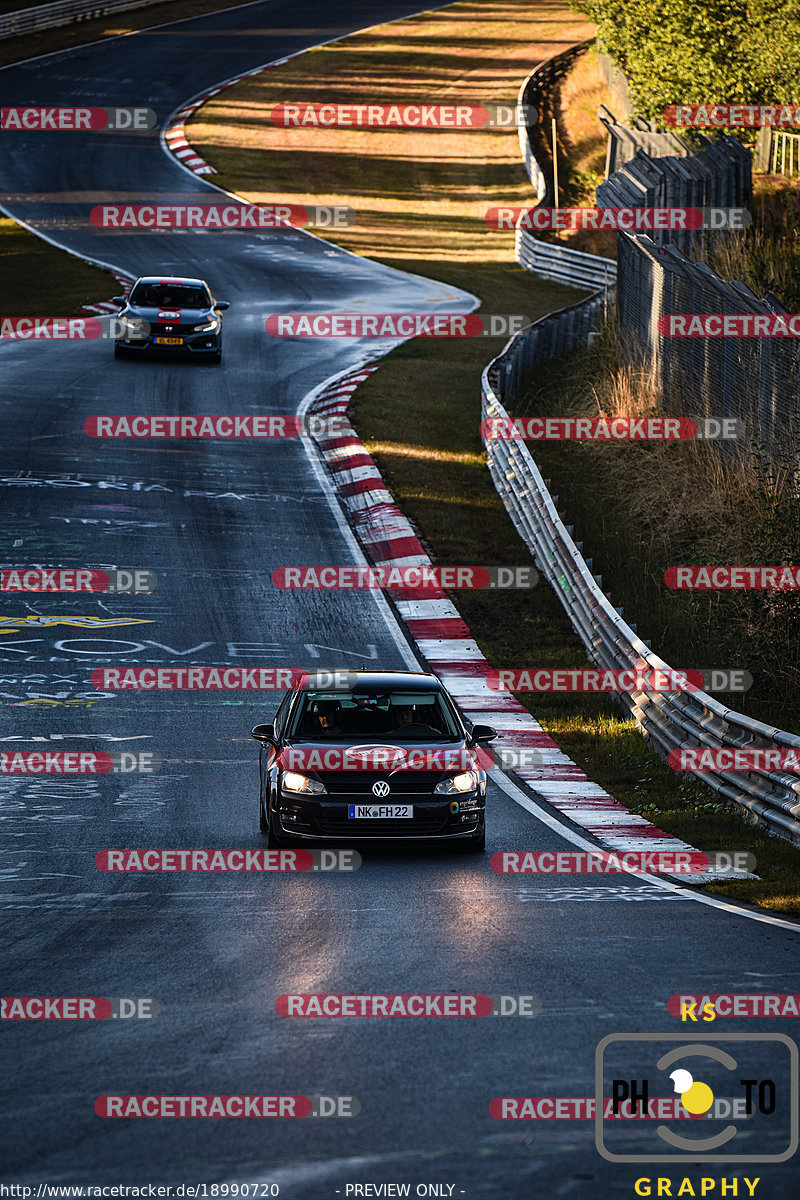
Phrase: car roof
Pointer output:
(407, 681)
(172, 281)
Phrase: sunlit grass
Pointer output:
(421, 196)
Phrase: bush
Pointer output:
(700, 53)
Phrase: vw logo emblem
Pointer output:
(380, 789)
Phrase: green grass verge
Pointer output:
(39, 280)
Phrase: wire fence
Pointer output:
(755, 379)
(719, 176)
(625, 141)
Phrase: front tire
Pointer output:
(263, 823)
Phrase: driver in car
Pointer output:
(329, 718)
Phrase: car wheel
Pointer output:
(216, 359)
(263, 823)
(118, 351)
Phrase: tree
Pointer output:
(720, 52)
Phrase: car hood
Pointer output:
(379, 756)
(159, 316)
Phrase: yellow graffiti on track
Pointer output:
(15, 624)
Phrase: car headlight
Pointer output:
(293, 781)
(467, 781)
(135, 325)
(208, 326)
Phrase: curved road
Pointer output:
(213, 520)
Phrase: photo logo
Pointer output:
(156, 861)
(50, 329)
(198, 679)
(630, 220)
(402, 116)
(193, 1107)
(731, 116)
(62, 579)
(63, 118)
(435, 1004)
(394, 325)
(589, 429)
(734, 758)
(77, 1008)
(605, 862)
(694, 1007)
(565, 680)
(213, 425)
(223, 218)
(733, 578)
(78, 762)
(720, 1081)
(419, 578)
(729, 325)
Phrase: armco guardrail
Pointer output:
(768, 798)
(65, 12)
(545, 339)
(536, 91)
(564, 264)
(553, 262)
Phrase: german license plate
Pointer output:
(380, 812)
(169, 341)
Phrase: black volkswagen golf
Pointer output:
(170, 316)
(381, 756)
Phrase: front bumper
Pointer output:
(193, 344)
(326, 817)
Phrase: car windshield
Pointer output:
(378, 716)
(164, 295)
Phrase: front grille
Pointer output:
(359, 783)
(419, 826)
(175, 331)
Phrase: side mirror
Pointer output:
(263, 733)
(119, 300)
(483, 733)
(221, 305)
